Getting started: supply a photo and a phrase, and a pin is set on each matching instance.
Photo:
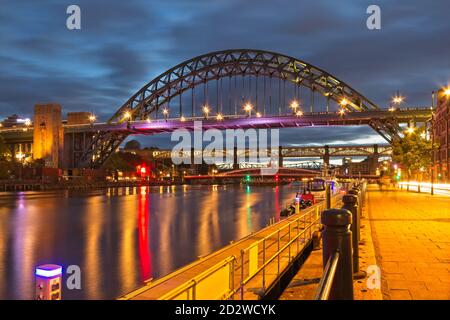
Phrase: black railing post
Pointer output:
(338, 237)
(328, 196)
(358, 194)
(351, 204)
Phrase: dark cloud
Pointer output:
(123, 45)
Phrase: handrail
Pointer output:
(306, 232)
(326, 282)
(192, 283)
(308, 219)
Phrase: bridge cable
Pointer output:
(279, 96)
(264, 100)
(229, 94)
(284, 92)
(217, 95)
(256, 88)
(192, 101)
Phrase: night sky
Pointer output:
(124, 44)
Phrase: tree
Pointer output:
(5, 153)
(117, 162)
(132, 145)
(414, 151)
(5, 160)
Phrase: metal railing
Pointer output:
(216, 282)
(262, 263)
(326, 282)
(259, 265)
(275, 252)
(425, 187)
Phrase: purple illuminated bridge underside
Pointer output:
(245, 122)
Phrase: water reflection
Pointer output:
(121, 237)
(93, 221)
(209, 233)
(145, 257)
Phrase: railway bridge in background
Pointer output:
(230, 89)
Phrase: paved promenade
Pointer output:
(305, 283)
(411, 236)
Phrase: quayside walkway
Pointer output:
(411, 236)
(407, 235)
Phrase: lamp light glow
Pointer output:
(248, 107)
(410, 130)
(48, 271)
(398, 99)
(294, 104)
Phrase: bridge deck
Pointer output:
(156, 289)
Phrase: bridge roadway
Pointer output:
(308, 119)
(243, 122)
(277, 260)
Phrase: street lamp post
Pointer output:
(294, 105)
(432, 142)
(248, 108)
(92, 118)
(206, 111)
(165, 113)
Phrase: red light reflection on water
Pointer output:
(143, 239)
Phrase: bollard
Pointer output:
(48, 282)
(357, 192)
(351, 204)
(337, 236)
(328, 196)
(297, 204)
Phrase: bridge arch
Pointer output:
(148, 101)
(231, 63)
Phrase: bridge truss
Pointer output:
(222, 83)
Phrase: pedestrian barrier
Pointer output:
(215, 283)
(326, 282)
(260, 265)
(425, 187)
(341, 235)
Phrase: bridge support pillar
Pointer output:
(235, 159)
(280, 156)
(48, 138)
(194, 166)
(373, 162)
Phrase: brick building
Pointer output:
(441, 134)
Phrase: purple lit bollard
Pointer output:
(48, 282)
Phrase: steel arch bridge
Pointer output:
(164, 94)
